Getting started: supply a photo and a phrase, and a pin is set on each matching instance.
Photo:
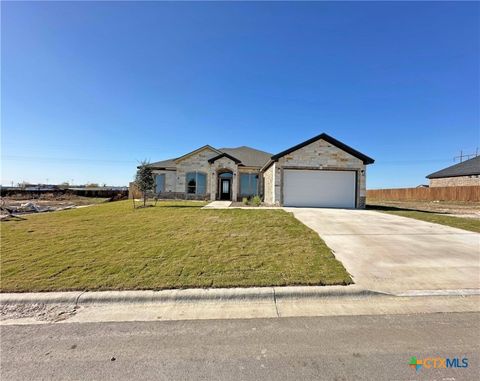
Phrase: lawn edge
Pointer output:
(392, 213)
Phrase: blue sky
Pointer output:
(89, 89)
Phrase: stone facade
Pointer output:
(175, 181)
(196, 162)
(221, 165)
(319, 155)
(456, 181)
(268, 189)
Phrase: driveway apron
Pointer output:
(397, 254)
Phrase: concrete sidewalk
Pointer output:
(12, 314)
(227, 303)
(218, 205)
(230, 303)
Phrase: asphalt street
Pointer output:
(312, 348)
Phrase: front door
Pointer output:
(225, 189)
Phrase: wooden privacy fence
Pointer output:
(463, 193)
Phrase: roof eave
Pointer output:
(267, 165)
(433, 176)
(224, 154)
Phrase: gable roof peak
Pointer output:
(331, 140)
(206, 146)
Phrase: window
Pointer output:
(191, 182)
(248, 184)
(225, 175)
(196, 183)
(160, 183)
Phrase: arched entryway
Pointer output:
(225, 184)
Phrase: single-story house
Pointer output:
(462, 174)
(319, 172)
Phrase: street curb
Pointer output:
(68, 297)
(187, 295)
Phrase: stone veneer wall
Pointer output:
(321, 155)
(268, 179)
(197, 162)
(224, 163)
(175, 185)
(456, 181)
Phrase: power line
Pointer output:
(466, 156)
(70, 159)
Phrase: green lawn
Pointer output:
(172, 245)
(470, 224)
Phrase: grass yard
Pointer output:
(173, 245)
(470, 224)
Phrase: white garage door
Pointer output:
(317, 188)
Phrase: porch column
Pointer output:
(235, 182)
(213, 184)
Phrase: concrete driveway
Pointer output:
(397, 254)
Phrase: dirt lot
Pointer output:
(44, 203)
(452, 208)
(41, 312)
(49, 199)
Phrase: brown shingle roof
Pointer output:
(249, 157)
(169, 163)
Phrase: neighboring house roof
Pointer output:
(329, 139)
(465, 168)
(248, 157)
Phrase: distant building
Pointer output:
(462, 174)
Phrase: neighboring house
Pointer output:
(320, 172)
(462, 174)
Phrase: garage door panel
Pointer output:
(319, 188)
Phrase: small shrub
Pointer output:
(256, 201)
(245, 200)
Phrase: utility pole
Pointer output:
(461, 156)
(466, 156)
